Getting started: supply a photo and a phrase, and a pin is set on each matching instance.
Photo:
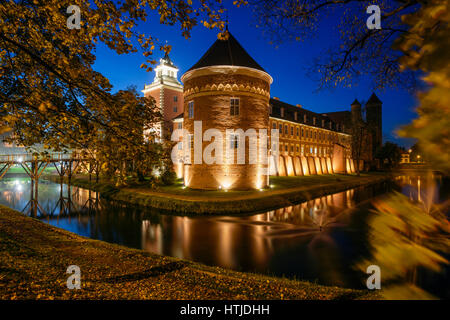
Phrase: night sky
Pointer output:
(287, 64)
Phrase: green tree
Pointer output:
(390, 153)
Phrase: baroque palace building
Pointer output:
(227, 89)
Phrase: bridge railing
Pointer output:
(27, 157)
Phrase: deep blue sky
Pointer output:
(287, 65)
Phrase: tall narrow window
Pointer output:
(175, 109)
(180, 125)
(191, 141)
(292, 130)
(191, 109)
(305, 118)
(280, 128)
(282, 112)
(295, 115)
(175, 99)
(234, 141)
(234, 106)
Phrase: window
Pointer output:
(292, 130)
(280, 127)
(315, 135)
(191, 110)
(292, 148)
(303, 132)
(175, 99)
(274, 126)
(303, 149)
(180, 145)
(234, 106)
(297, 148)
(234, 141)
(297, 131)
(282, 112)
(175, 109)
(180, 125)
(286, 129)
(191, 141)
(286, 148)
(305, 118)
(295, 115)
(314, 121)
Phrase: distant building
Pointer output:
(228, 89)
(405, 157)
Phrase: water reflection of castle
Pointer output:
(180, 236)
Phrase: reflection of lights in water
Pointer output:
(18, 185)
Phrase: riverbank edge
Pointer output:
(35, 256)
(256, 202)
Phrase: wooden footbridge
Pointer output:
(66, 164)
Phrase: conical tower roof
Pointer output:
(356, 102)
(228, 52)
(373, 99)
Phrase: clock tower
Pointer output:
(167, 92)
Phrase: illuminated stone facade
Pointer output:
(309, 143)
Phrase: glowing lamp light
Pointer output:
(20, 160)
(225, 186)
(272, 186)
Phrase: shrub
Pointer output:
(168, 177)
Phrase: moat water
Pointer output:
(320, 240)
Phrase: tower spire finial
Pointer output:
(226, 20)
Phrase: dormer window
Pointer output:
(282, 112)
(295, 115)
(305, 118)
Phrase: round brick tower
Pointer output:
(226, 90)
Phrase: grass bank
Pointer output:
(35, 256)
(285, 191)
